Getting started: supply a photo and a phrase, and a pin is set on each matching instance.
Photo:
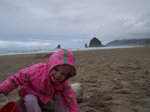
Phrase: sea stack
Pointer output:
(95, 42)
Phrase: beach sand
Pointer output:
(113, 80)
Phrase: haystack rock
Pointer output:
(95, 42)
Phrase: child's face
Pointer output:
(59, 73)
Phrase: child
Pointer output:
(45, 86)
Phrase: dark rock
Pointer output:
(86, 45)
(95, 42)
(58, 47)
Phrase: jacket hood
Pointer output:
(61, 57)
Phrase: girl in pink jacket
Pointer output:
(46, 84)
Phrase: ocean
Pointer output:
(31, 51)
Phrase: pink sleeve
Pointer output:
(70, 98)
(14, 81)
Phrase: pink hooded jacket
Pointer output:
(35, 80)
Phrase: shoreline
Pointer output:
(75, 49)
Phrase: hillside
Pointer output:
(129, 42)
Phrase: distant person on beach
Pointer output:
(45, 86)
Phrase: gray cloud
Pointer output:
(78, 19)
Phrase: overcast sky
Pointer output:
(72, 22)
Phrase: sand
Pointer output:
(114, 80)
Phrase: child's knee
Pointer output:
(31, 103)
(30, 98)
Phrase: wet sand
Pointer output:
(114, 80)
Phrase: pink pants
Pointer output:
(32, 105)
